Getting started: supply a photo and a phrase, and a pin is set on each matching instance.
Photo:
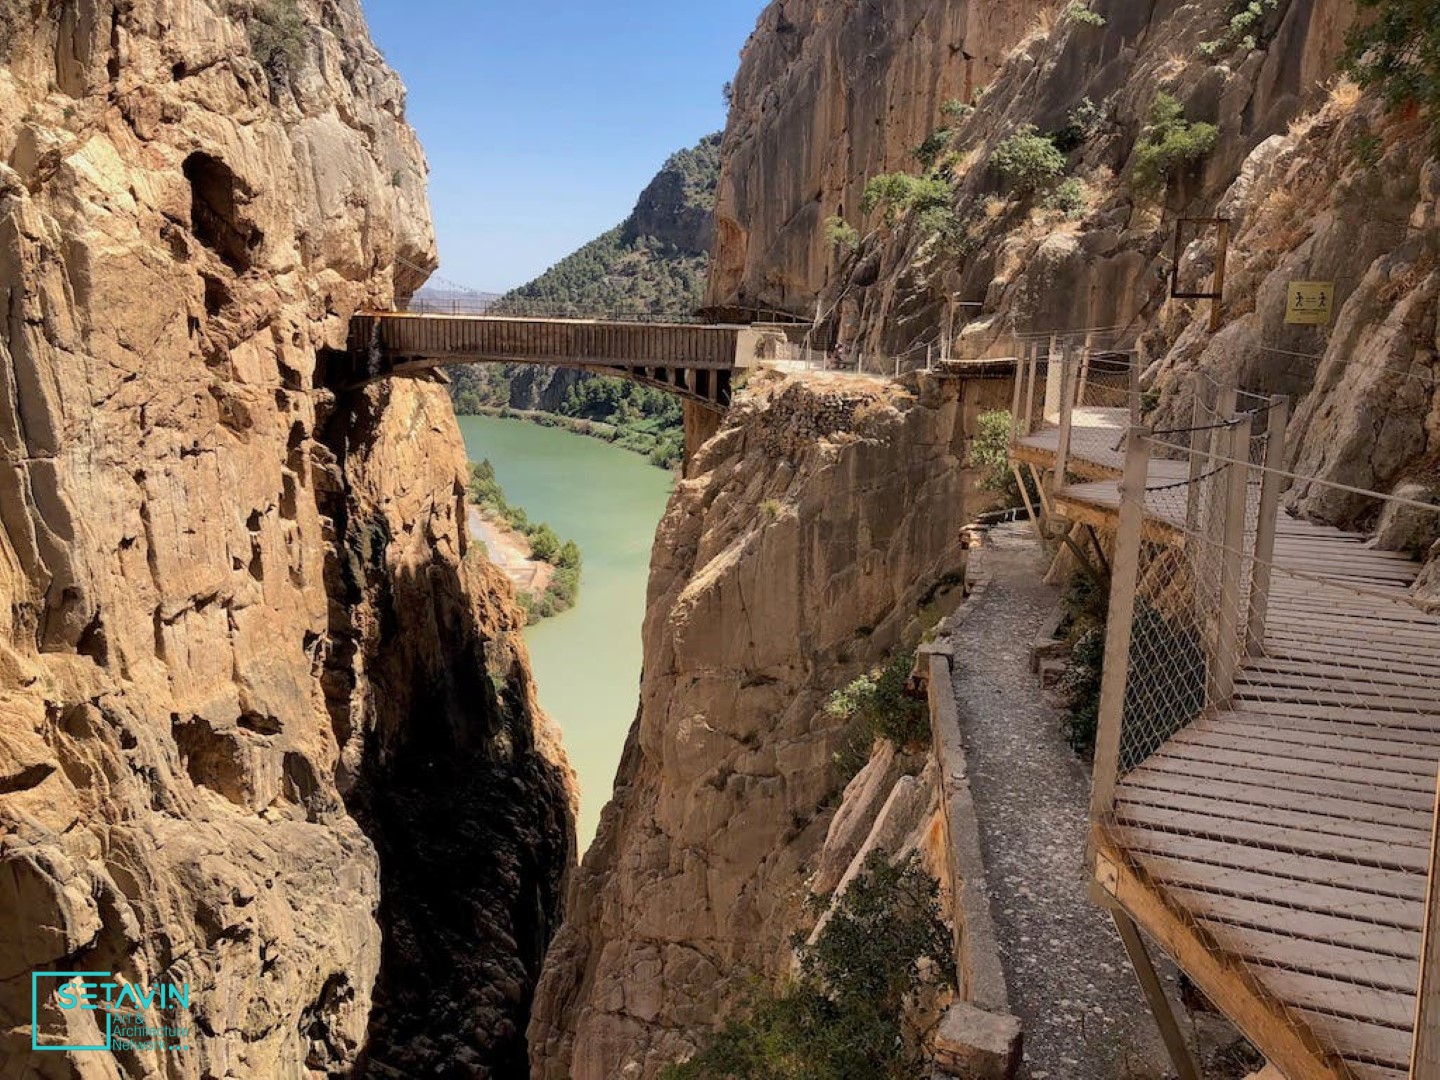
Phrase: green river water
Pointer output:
(586, 661)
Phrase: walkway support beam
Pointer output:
(1160, 1005)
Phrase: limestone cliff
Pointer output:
(244, 659)
(797, 555)
(1320, 183)
(830, 93)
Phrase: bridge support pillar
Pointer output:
(701, 424)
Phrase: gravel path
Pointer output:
(1069, 982)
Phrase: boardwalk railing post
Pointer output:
(1425, 1053)
(1134, 373)
(1199, 418)
(1016, 392)
(1030, 376)
(1228, 640)
(1119, 625)
(1271, 485)
(1225, 405)
(1069, 385)
(1053, 370)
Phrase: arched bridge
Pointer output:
(696, 362)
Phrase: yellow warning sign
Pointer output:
(1310, 303)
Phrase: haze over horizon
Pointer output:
(543, 123)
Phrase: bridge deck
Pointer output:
(1279, 849)
(694, 361)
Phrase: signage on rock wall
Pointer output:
(1310, 303)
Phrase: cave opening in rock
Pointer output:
(216, 195)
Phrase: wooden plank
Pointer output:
(1383, 887)
(1290, 1046)
(1331, 900)
(1231, 737)
(1319, 958)
(1270, 687)
(1390, 1008)
(1342, 817)
(1392, 798)
(1391, 721)
(1191, 745)
(1261, 836)
(1421, 747)
(1357, 654)
(1366, 1044)
(1311, 926)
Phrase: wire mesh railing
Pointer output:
(1269, 736)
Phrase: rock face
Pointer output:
(242, 651)
(1319, 182)
(827, 96)
(813, 528)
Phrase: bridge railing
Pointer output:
(502, 307)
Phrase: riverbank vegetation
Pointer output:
(652, 265)
(845, 1014)
(563, 588)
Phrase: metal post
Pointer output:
(1069, 385)
(1266, 523)
(1228, 641)
(1425, 1053)
(1120, 623)
(1085, 356)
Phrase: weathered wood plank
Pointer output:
(1343, 964)
(1310, 926)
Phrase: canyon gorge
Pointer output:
(267, 720)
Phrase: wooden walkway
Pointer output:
(1279, 849)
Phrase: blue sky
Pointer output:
(544, 120)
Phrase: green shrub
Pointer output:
(956, 110)
(1086, 603)
(1395, 48)
(1029, 160)
(1081, 13)
(841, 234)
(990, 453)
(878, 704)
(935, 144)
(943, 223)
(898, 194)
(278, 37)
(1169, 141)
(1246, 28)
(1071, 198)
(1081, 124)
(843, 1017)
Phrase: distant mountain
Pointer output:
(653, 263)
